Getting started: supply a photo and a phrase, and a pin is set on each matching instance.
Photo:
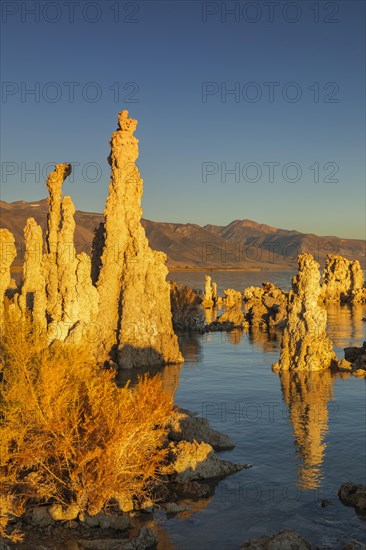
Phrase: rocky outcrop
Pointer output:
(134, 297)
(232, 298)
(53, 245)
(33, 290)
(305, 345)
(342, 280)
(267, 305)
(354, 495)
(354, 361)
(233, 313)
(187, 426)
(284, 540)
(7, 255)
(119, 303)
(196, 461)
(208, 296)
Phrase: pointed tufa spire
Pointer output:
(134, 306)
(126, 314)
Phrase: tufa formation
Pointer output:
(118, 301)
(305, 345)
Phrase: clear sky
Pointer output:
(285, 148)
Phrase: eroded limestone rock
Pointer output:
(7, 255)
(232, 298)
(33, 290)
(208, 296)
(267, 306)
(134, 297)
(342, 280)
(119, 304)
(305, 345)
(189, 427)
(233, 312)
(195, 461)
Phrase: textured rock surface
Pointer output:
(145, 540)
(119, 303)
(196, 461)
(134, 297)
(233, 312)
(33, 290)
(342, 280)
(54, 185)
(208, 296)
(232, 298)
(267, 305)
(187, 426)
(284, 540)
(7, 255)
(354, 495)
(305, 345)
(234, 315)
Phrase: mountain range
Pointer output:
(242, 244)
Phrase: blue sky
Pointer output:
(169, 64)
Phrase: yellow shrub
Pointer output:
(68, 434)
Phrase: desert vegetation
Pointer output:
(186, 307)
(68, 435)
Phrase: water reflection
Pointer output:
(266, 339)
(190, 344)
(169, 374)
(306, 395)
(345, 323)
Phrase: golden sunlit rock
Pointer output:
(305, 345)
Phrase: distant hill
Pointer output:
(242, 244)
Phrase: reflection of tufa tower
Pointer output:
(307, 394)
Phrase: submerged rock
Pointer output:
(284, 540)
(354, 545)
(145, 540)
(305, 345)
(354, 495)
(191, 489)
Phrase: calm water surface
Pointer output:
(303, 436)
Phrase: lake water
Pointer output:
(304, 436)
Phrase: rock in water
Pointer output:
(119, 304)
(210, 290)
(342, 280)
(284, 540)
(134, 297)
(305, 345)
